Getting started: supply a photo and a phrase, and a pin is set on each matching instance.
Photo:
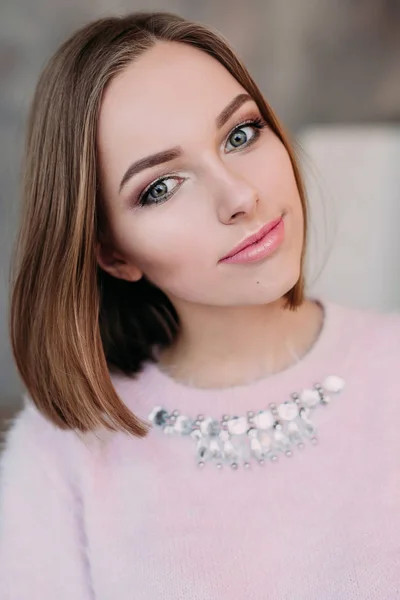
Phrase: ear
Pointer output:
(113, 263)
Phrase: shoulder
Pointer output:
(136, 390)
(367, 337)
(378, 327)
(32, 443)
(374, 321)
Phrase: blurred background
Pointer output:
(331, 70)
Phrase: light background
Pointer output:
(331, 70)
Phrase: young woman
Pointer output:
(178, 378)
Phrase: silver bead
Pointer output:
(250, 414)
(200, 418)
(201, 465)
(246, 465)
(225, 418)
(314, 441)
(288, 453)
(274, 458)
(325, 399)
(301, 446)
(261, 462)
(175, 413)
(234, 466)
(219, 466)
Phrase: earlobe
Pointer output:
(114, 264)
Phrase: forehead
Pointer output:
(170, 92)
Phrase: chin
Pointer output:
(275, 288)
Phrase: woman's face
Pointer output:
(188, 171)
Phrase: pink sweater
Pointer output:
(113, 518)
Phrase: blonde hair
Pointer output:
(70, 322)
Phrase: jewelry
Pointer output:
(257, 437)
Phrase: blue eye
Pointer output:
(159, 191)
(245, 134)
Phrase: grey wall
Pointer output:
(317, 62)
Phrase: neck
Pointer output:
(220, 346)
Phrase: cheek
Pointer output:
(280, 193)
(281, 181)
(270, 172)
(167, 242)
(284, 192)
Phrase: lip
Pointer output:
(258, 245)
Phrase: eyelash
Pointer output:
(258, 123)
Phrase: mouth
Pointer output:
(258, 245)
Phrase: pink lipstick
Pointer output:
(259, 245)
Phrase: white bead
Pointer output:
(252, 432)
(224, 436)
(293, 431)
(256, 449)
(288, 411)
(215, 449)
(237, 426)
(265, 441)
(333, 384)
(264, 420)
(183, 425)
(281, 441)
(229, 451)
(209, 427)
(310, 398)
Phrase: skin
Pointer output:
(228, 182)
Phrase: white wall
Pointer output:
(353, 178)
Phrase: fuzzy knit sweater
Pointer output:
(109, 517)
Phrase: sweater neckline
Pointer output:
(157, 387)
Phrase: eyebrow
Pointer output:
(150, 161)
(232, 108)
(173, 153)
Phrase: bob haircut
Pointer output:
(71, 324)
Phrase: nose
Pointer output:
(236, 198)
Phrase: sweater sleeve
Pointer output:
(42, 545)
